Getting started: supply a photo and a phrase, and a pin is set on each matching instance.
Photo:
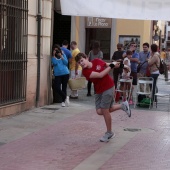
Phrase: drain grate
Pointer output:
(132, 130)
(49, 108)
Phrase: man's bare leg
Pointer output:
(108, 122)
(115, 107)
(108, 119)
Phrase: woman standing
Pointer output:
(61, 73)
(94, 53)
(154, 63)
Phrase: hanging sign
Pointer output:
(97, 22)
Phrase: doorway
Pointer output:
(62, 28)
(103, 35)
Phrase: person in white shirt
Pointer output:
(126, 75)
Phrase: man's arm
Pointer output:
(69, 57)
(104, 72)
(69, 60)
(113, 57)
(124, 55)
(126, 67)
(64, 59)
(135, 59)
(76, 68)
(101, 55)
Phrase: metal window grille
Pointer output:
(13, 50)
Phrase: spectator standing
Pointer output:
(66, 51)
(94, 53)
(126, 75)
(143, 58)
(61, 73)
(75, 68)
(134, 62)
(117, 56)
(154, 63)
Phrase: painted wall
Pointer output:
(78, 31)
(134, 27)
(32, 52)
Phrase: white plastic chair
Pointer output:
(122, 80)
(144, 87)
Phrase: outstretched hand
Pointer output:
(116, 64)
(127, 68)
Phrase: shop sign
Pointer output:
(97, 22)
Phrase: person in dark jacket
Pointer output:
(117, 56)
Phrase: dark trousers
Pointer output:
(134, 75)
(89, 87)
(61, 85)
(154, 88)
(116, 73)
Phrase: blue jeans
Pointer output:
(61, 85)
(154, 88)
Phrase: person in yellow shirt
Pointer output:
(163, 54)
(75, 68)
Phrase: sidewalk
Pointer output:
(56, 138)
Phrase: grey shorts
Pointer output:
(105, 100)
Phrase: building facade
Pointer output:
(167, 37)
(109, 32)
(29, 28)
(19, 53)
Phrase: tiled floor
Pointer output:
(68, 139)
(65, 145)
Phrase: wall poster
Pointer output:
(127, 39)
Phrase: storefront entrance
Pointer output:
(103, 35)
(62, 28)
(98, 29)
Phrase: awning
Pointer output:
(125, 9)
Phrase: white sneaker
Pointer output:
(107, 136)
(67, 101)
(63, 104)
(125, 107)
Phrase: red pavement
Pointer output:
(66, 144)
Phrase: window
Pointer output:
(13, 51)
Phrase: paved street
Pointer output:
(56, 138)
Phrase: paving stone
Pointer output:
(68, 139)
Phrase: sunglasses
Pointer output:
(133, 45)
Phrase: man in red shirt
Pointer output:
(97, 71)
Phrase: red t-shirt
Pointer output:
(100, 84)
